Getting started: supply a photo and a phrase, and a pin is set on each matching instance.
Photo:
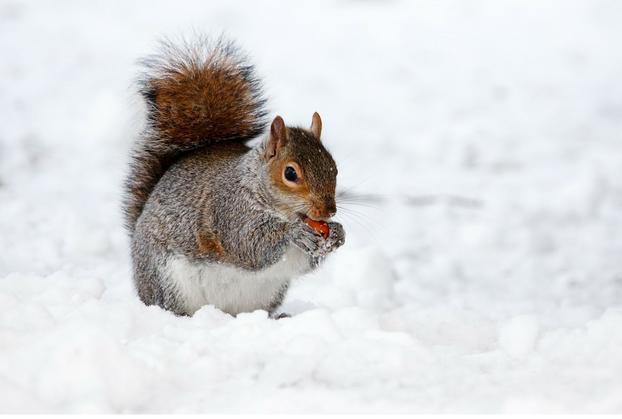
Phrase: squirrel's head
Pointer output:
(303, 175)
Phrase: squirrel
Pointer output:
(212, 218)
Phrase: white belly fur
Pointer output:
(233, 290)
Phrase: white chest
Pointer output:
(233, 290)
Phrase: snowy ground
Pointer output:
(483, 267)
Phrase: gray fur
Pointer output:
(231, 200)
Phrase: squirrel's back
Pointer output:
(196, 93)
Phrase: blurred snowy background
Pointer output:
(481, 147)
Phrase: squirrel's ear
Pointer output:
(316, 125)
(277, 139)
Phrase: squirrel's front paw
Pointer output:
(312, 242)
(336, 236)
(307, 239)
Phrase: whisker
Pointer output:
(362, 214)
(359, 217)
(360, 205)
(344, 159)
(358, 184)
(366, 229)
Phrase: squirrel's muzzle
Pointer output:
(325, 210)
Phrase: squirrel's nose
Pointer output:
(330, 209)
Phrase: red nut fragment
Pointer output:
(319, 226)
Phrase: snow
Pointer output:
(479, 145)
(518, 335)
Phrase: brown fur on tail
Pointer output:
(197, 93)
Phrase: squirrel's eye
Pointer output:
(290, 174)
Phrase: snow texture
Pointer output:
(480, 155)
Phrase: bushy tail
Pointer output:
(197, 93)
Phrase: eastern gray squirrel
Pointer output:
(212, 219)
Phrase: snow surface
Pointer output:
(480, 145)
